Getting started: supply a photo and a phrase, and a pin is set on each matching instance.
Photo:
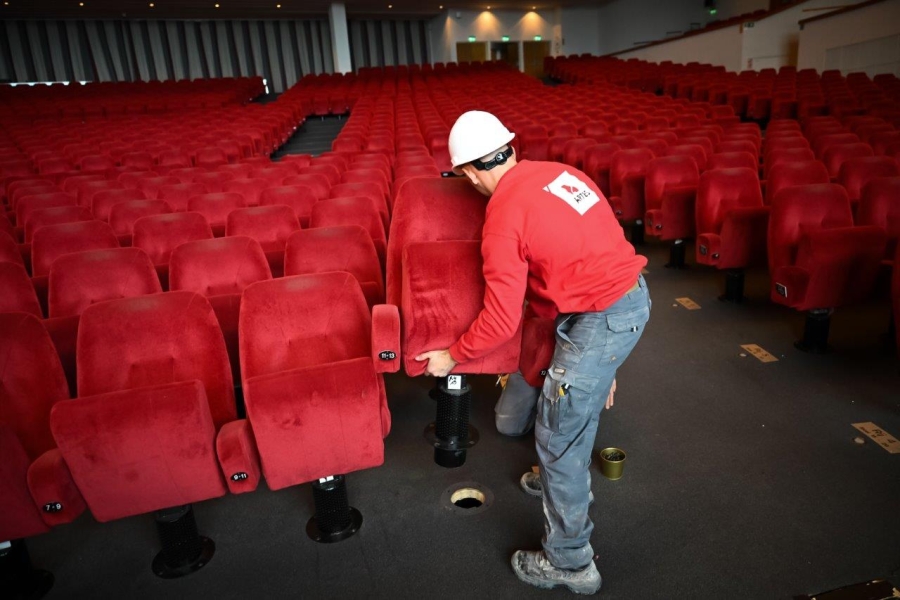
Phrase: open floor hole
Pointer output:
(467, 498)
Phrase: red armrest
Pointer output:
(386, 338)
(238, 456)
(53, 489)
(674, 220)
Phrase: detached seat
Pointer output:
(732, 225)
(312, 358)
(154, 388)
(434, 276)
(818, 259)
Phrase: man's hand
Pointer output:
(611, 398)
(440, 363)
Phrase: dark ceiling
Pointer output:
(238, 9)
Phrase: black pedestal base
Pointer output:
(450, 434)
(184, 550)
(335, 520)
(734, 286)
(815, 333)
(19, 580)
(676, 255)
(637, 233)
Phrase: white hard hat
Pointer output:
(476, 134)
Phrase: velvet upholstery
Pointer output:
(330, 172)
(216, 206)
(348, 248)
(155, 340)
(9, 250)
(123, 216)
(815, 252)
(54, 216)
(187, 174)
(776, 156)
(32, 381)
(731, 220)
(880, 206)
(386, 338)
(789, 174)
(248, 189)
(442, 294)
(36, 189)
(538, 345)
(50, 482)
(53, 241)
(318, 184)
(20, 517)
(46, 199)
(176, 195)
(855, 173)
(236, 449)
(626, 183)
(213, 181)
(271, 226)
(835, 155)
(158, 235)
(732, 160)
(357, 190)
(431, 210)
(298, 197)
(313, 397)
(102, 202)
(337, 212)
(85, 278)
(694, 150)
(670, 192)
(16, 291)
(895, 295)
(142, 449)
(86, 190)
(573, 151)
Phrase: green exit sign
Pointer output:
(471, 38)
(505, 38)
(537, 38)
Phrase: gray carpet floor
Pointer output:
(313, 137)
(742, 481)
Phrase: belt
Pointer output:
(635, 287)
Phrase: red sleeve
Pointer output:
(506, 277)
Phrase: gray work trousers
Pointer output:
(590, 347)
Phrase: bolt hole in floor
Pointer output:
(467, 498)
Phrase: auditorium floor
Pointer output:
(742, 481)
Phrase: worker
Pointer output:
(550, 237)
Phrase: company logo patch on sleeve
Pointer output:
(573, 192)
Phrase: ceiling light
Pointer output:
(390, 6)
(441, 7)
(152, 5)
(217, 5)
(277, 6)
(81, 4)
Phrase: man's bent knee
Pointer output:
(513, 426)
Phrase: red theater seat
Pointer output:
(597, 164)
(731, 225)
(271, 226)
(817, 258)
(351, 211)
(670, 191)
(220, 269)
(837, 154)
(732, 160)
(788, 174)
(318, 184)
(855, 173)
(16, 291)
(299, 198)
(313, 387)
(154, 388)
(216, 207)
(348, 248)
(123, 215)
(53, 241)
(159, 235)
(102, 202)
(31, 384)
(880, 207)
(628, 170)
(54, 216)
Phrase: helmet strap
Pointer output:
(499, 159)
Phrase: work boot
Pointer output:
(533, 568)
(531, 484)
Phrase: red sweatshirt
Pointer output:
(550, 237)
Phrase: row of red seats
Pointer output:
(133, 98)
(762, 95)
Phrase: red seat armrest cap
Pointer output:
(53, 489)
(238, 456)
(386, 338)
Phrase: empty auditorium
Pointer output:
(331, 299)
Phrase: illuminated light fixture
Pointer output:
(534, 8)
(217, 5)
(505, 38)
(471, 38)
(713, 11)
(152, 5)
(390, 6)
(277, 6)
(489, 8)
(441, 7)
(537, 38)
(81, 4)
